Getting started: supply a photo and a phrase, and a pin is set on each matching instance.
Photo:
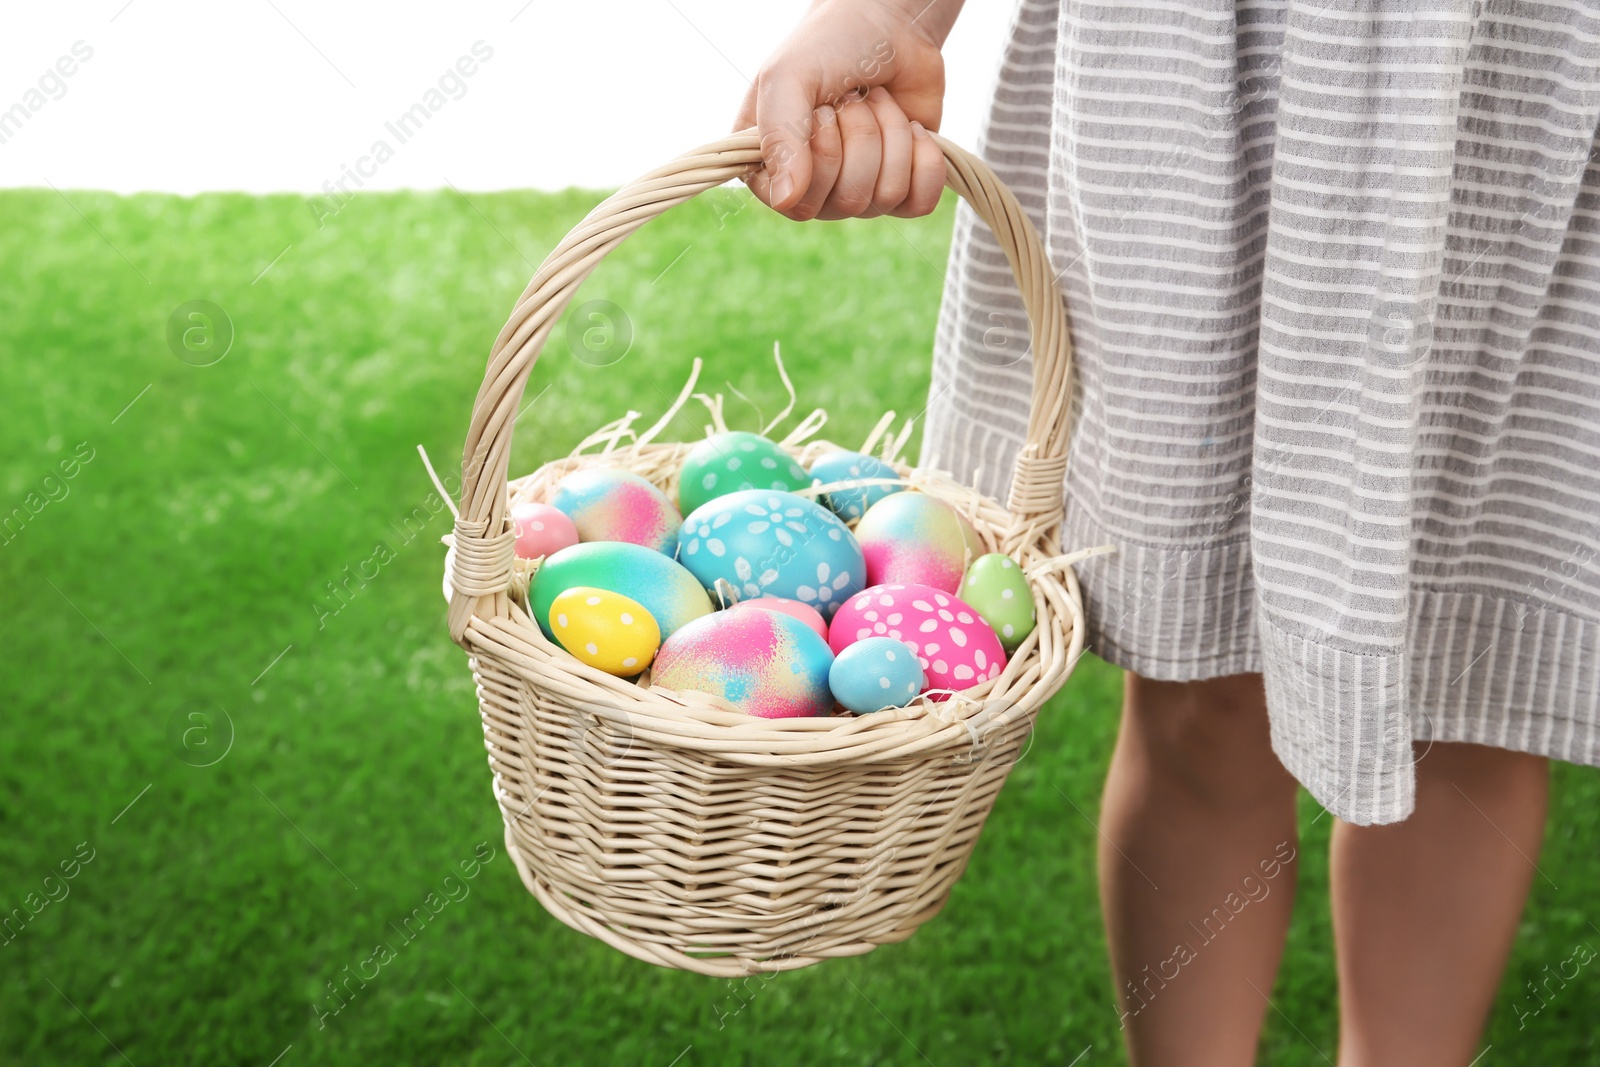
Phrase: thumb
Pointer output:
(784, 119)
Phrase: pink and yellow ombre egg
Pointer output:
(764, 663)
(615, 505)
(916, 539)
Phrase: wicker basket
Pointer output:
(679, 830)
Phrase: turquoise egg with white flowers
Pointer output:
(769, 543)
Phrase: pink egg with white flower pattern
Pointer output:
(916, 539)
(542, 530)
(955, 647)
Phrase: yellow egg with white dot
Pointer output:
(606, 630)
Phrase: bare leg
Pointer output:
(1197, 869)
(1425, 911)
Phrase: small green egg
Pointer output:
(728, 462)
(995, 587)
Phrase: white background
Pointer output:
(281, 95)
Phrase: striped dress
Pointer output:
(1333, 268)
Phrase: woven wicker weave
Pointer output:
(673, 827)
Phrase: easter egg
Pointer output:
(614, 505)
(541, 530)
(875, 673)
(764, 663)
(604, 629)
(954, 646)
(793, 608)
(852, 503)
(916, 539)
(997, 590)
(728, 462)
(669, 593)
(767, 543)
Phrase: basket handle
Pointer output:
(484, 536)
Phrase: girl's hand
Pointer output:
(844, 108)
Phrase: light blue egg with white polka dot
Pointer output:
(852, 503)
(875, 673)
(764, 542)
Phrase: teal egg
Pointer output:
(995, 588)
(875, 673)
(728, 462)
(661, 586)
(850, 504)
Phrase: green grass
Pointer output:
(181, 567)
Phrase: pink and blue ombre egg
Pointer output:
(615, 505)
(767, 543)
(764, 663)
(916, 539)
